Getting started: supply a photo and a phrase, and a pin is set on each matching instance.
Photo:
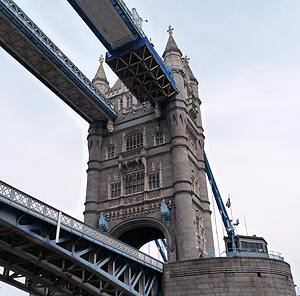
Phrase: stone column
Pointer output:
(185, 231)
(95, 139)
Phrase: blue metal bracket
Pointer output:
(165, 211)
(103, 222)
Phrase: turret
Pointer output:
(172, 54)
(100, 79)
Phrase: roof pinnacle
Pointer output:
(101, 59)
(170, 30)
(100, 79)
(171, 44)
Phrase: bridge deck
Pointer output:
(23, 40)
(81, 260)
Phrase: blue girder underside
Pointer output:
(76, 254)
(8, 196)
(137, 44)
(26, 66)
(124, 13)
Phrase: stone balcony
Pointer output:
(133, 160)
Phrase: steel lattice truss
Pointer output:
(140, 68)
(34, 261)
(22, 39)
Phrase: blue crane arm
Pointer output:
(225, 218)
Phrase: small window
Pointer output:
(134, 183)
(111, 151)
(251, 246)
(153, 181)
(134, 140)
(121, 104)
(129, 101)
(159, 138)
(115, 190)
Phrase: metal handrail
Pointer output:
(249, 251)
(37, 208)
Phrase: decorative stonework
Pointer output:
(127, 212)
(134, 109)
(199, 233)
(153, 195)
(133, 199)
(132, 160)
(115, 203)
(110, 125)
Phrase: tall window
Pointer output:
(129, 101)
(134, 183)
(115, 190)
(121, 104)
(110, 151)
(134, 140)
(159, 138)
(154, 181)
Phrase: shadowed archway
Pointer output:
(137, 232)
(140, 236)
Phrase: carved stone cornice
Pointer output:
(132, 160)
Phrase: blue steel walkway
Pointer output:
(26, 42)
(55, 253)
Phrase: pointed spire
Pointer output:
(188, 70)
(171, 44)
(100, 79)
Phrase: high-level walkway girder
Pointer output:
(80, 260)
(130, 54)
(24, 40)
(110, 20)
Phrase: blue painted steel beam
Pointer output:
(161, 251)
(49, 49)
(127, 17)
(40, 210)
(81, 253)
(225, 218)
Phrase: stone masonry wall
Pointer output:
(234, 276)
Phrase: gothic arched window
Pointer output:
(134, 140)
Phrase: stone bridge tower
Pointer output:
(150, 155)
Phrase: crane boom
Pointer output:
(225, 218)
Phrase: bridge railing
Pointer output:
(37, 208)
(20, 17)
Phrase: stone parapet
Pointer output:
(234, 276)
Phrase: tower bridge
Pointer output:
(146, 176)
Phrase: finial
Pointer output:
(101, 59)
(186, 59)
(170, 30)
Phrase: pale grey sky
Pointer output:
(245, 55)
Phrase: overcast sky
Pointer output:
(245, 55)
